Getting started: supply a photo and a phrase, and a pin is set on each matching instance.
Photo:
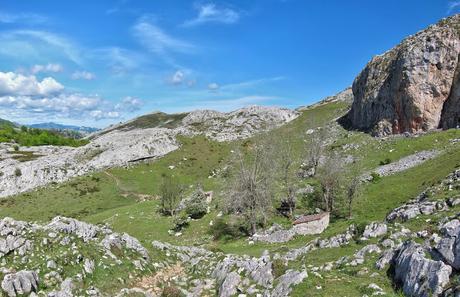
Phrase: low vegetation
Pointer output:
(25, 136)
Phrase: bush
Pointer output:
(17, 172)
(171, 292)
(196, 207)
(375, 177)
(385, 162)
(180, 222)
(228, 230)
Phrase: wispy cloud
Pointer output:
(119, 60)
(129, 104)
(252, 83)
(157, 41)
(52, 68)
(228, 104)
(30, 37)
(453, 5)
(211, 13)
(23, 18)
(86, 75)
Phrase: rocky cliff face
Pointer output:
(413, 87)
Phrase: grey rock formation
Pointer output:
(20, 283)
(71, 226)
(419, 275)
(374, 230)
(449, 245)
(229, 286)
(412, 87)
(286, 281)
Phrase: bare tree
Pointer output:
(330, 175)
(314, 148)
(352, 192)
(285, 162)
(170, 195)
(250, 192)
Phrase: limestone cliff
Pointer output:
(412, 87)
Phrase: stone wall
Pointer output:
(314, 227)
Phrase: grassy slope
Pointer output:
(98, 199)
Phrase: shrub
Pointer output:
(171, 292)
(385, 162)
(17, 172)
(180, 222)
(196, 206)
(228, 230)
(278, 267)
(375, 177)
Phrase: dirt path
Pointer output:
(126, 193)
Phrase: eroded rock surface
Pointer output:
(413, 87)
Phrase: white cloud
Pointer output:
(25, 97)
(30, 18)
(17, 84)
(157, 41)
(177, 78)
(211, 13)
(83, 75)
(46, 68)
(213, 87)
(129, 104)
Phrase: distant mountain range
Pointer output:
(60, 127)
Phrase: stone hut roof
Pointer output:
(310, 218)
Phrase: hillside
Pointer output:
(207, 203)
(125, 199)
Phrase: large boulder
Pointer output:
(412, 87)
(417, 274)
(21, 283)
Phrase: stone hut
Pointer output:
(311, 224)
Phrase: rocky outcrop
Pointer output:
(419, 275)
(20, 283)
(449, 245)
(413, 87)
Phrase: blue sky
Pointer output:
(95, 63)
